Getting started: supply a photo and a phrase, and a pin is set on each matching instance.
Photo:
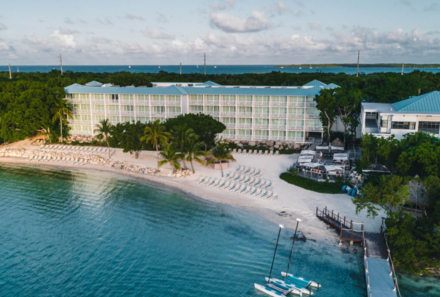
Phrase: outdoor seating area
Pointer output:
(88, 149)
(254, 152)
(237, 187)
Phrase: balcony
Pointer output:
(230, 126)
(212, 103)
(112, 102)
(98, 101)
(313, 128)
(245, 103)
(295, 116)
(80, 122)
(295, 104)
(127, 113)
(245, 114)
(157, 103)
(230, 136)
(295, 139)
(262, 126)
(127, 101)
(142, 113)
(196, 102)
(278, 127)
(280, 138)
(158, 114)
(278, 104)
(311, 104)
(228, 103)
(173, 114)
(261, 137)
(98, 112)
(80, 101)
(228, 114)
(244, 137)
(112, 112)
(312, 116)
(173, 103)
(261, 103)
(142, 102)
(295, 128)
(87, 112)
(261, 115)
(213, 113)
(278, 116)
(247, 126)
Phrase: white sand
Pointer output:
(295, 201)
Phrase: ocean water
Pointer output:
(210, 69)
(87, 233)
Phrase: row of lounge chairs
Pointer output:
(78, 148)
(255, 152)
(250, 180)
(249, 171)
(66, 160)
(235, 187)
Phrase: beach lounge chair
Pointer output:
(231, 174)
(233, 187)
(250, 180)
(271, 153)
(206, 181)
(251, 171)
(264, 194)
(244, 190)
(246, 179)
(269, 194)
(257, 172)
(257, 192)
(252, 191)
(268, 185)
(274, 196)
(248, 190)
(198, 180)
(240, 188)
(215, 183)
(241, 178)
(228, 186)
(225, 184)
(277, 153)
(239, 151)
(240, 168)
(263, 183)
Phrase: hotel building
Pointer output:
(249, 112)
(419, 113)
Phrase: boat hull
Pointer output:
(268, 290)
(292, 287)
(300, 279)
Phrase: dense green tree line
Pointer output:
(415, 183)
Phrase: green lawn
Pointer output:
(308, 184)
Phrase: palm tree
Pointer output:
(155, 134)
(63, 110)
(193, 150)
(181, 135)
(220, 153)
(104, 129)
(170, 155)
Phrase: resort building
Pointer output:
(249, 112)
(419, 113)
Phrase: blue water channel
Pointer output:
(89, 233)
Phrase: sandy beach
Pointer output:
(293, 202)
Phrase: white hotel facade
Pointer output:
(248, 112)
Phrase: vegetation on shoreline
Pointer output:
(354, 65)
(311, 185)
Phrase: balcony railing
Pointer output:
(230, 126)
(157, 103)
(261, 126)
(142, 102)
(110, 101)
(245, 114)
(245, 103)
(295, 104)
(296, 139)
(282, 138)
(261, 137)
(312, 116)
(158, 114)
(261, 115)
(230, 136)
(82, 111)
(143, 113)
(98, 112)
(311, 104)
(98, 101)
(278, 115)
(282, 104)
(112, 112)
(196, 102)
(127, 101)
(244, 137)
(79, 122)
(80, 101)
(212, 113)
(295, 128)
(313, 128)
(277, 127)
(127, 113)
(173, 114)
(295, 116)
(228, 103)
(261, 103)
(212, 103)
(248, 126)
(227, 114)
(173, 103)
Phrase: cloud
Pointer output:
(63, 40)
(405, 2)
(82, 21)
(156, 34)
(90, 33)
(314, 26)
(435, 32)
(105, 21)
(68, 31)
(281, 7)
(101, 40)
(6, 49)
(224, 5)
(134, 17)
(37, 44)
(68, 21)
(432, 7)
(161, 18)
(299, 3)
(3, 26)
(232, 24)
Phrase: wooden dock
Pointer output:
(345, 228)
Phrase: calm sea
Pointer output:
(88, 233)
(210, 69)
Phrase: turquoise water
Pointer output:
(210, 69)
(82, 232)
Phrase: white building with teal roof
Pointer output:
(283, 113)
(419, 113)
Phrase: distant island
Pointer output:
(378, 65)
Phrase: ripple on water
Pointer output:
(80, 232)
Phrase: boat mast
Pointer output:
(61, 65)
(293, 243)
(403, 66)
(275, 252)
(357, 71)
(180, 68)
(10, 73)
(204, 61)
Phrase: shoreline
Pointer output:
(293, 202)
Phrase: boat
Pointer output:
(297, 281)
(159, 66)
(269, 290)
(282, 67)
(18, 70)
(300, 67)
(215, 66)
(197, 66)
(311, 67)
(129, 66)
(293, 289)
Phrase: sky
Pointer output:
(145, 32)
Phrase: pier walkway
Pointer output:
(380, 276)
